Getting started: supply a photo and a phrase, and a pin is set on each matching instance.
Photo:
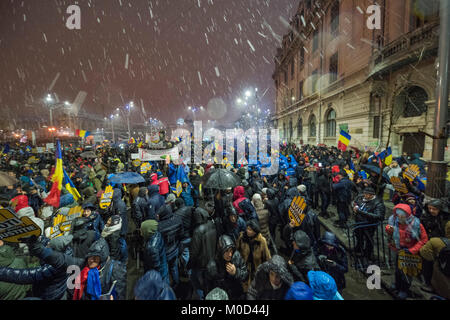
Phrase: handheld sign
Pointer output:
(136, 162)
(411, 173)
(106, 198)
(62, 222)
(398, 185)
(13, 228)
(145, 167)
(179, 188)
(410, 264)
(350, 174)
(296, 211)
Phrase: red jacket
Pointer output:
(406, 239)
(238, 196)
(164, 186)
(22, 202)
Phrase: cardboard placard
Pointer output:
(350, 174)
(296, 209)
(13, 228)
(106, 198)
(62, 222)
(410, 264)
(411, 173)
(398, 185)
(145, 167)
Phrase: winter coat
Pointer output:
(254, 252)
(110, 270)
(238, 196)
(185, 213)
(406, 239)
(9, 290)
(154, 198)
(204, 239)
(272, 205)
(187, 195)
(372, 211)
(324, 182)
(304, 260)
(435, 226)
(338, 255)
(261, 289)
(154, 257)
(248, 210)
(230, 229)
(120, 208)
(343, 190)
(217, 275)
(82, 239)
(96, 224)
(310, 225)
(171, 228)
(141, 209)
(152, 287)
(164, 186)
(415, 159)
(263, 217)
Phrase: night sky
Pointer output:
(164, 55)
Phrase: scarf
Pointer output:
(412, 229)
(89, 280)
(108, 230)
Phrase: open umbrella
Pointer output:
(88, 155)
(368, 167)
(220, 179)
(127, 177)
(7, 180)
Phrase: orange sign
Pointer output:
(296, 209)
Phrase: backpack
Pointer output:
(444, 258)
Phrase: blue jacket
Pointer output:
(155, 255)
(172, 175)
(187, 196)
(343, 190)
(249, 210)
(95, 223)
(154, 198)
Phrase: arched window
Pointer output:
(312, 126)
(300, 128)
(414, 99)
(331, 123)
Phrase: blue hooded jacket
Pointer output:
(151, 287)
(323, 286)
(299, 291)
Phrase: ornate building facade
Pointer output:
(333, 72)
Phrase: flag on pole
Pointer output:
(388, 159)
(68, 184)
(344, 140)
(82, 133)
(57, 179)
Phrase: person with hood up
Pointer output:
(302, 258)
(163, 183)
(323, 286)
(299, 291)
(118, 249)
(171, 228)
(142, 210)
(202, 249)
(47, 282)
(120, 208)
(275, 220)
(10, 290)
(217, 294)
(82, 237)
(263, 217)
(253, 248)
(238, 197)
(185, 214)
(154, 257)
(228, 270)
(332, 259)
(272, 280)
(232, 224)
(405, 233)
(343, 192)
(98, 271)
(187, 194)
(154, 198)
(435, 218)
(94, 220)
(151, 286)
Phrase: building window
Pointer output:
(334, 65)
(376, 127)
(331, 123)
(315, 40)
(312, 126)
(300, 90)
(414, 99)
(335, 19)
(422, 12)
(300, 128)
(302, 58)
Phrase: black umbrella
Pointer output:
(220, 179)
(377, 170)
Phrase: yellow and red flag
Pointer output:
(57, 179)
(344, 140)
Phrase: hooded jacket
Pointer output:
(323, 286)
(9, 290)
(151, 286)
(261, 288)
(219, 277)
(272, 204)
(141, 208)
(204, 240)
(171, 228)
(371, 211)
(185, 214)
(238, 196)
(435, 226)
(407, 241)
(303, 260)
(154, 257)
(263, 216)
(230, 229)
(82, 237)
(154, 198)
(109, 269)
(120, 208)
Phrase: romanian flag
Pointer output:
(68, 184)
(132, 141)
(57, 179)
(344, 140)
(388, 159)
(139, 144)
(82, 133)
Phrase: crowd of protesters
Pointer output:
(238, 243)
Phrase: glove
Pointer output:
(322, 258)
